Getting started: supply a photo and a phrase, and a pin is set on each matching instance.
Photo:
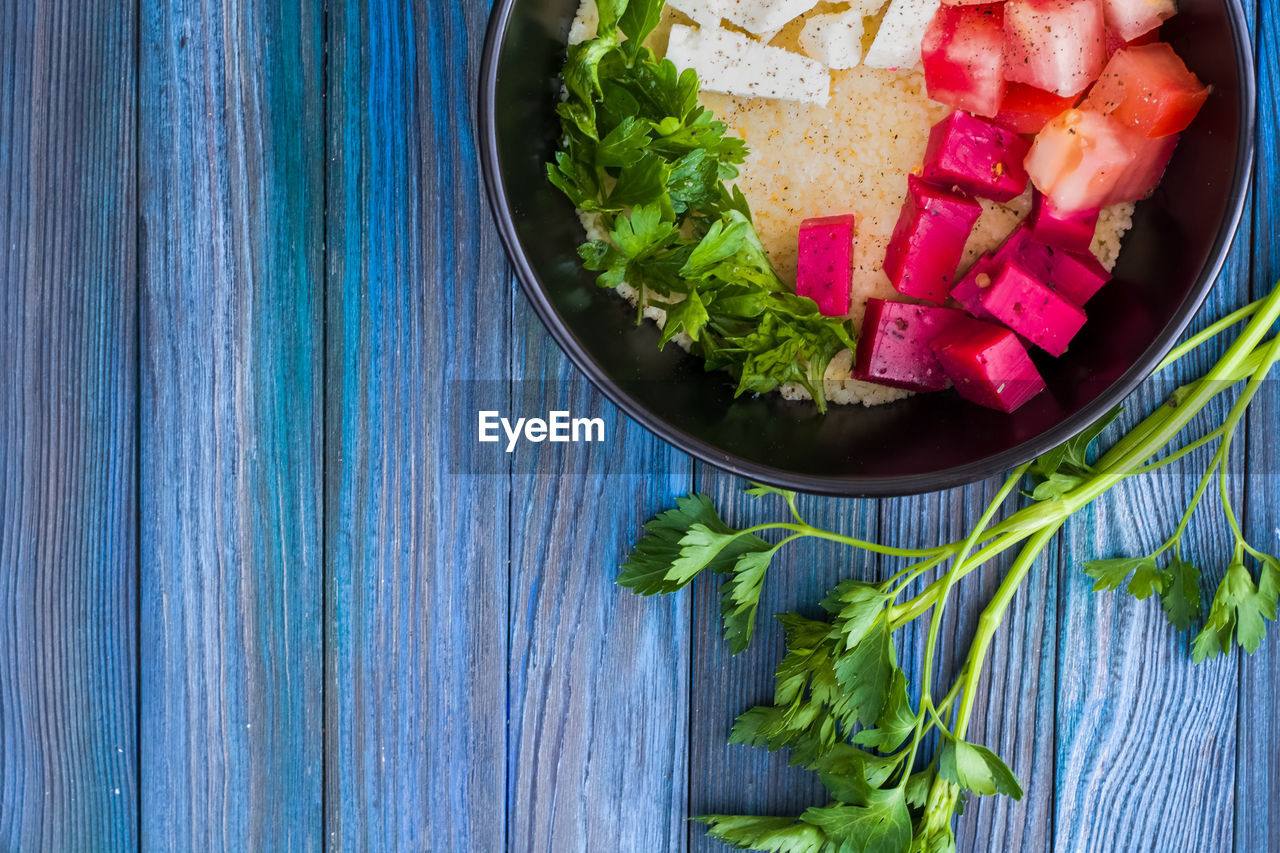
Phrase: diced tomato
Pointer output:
(1114, 41)
(963, 51)
(1055, 45)
(1150, 160)
(1079, 159)
(1132, 18)
(1149, 89)
(1026, 109)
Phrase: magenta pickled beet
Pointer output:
(1026, 251)
(976, 157)
(1077, 276)
(824, 269)
(1031, 308)
(929, 240)
(968, 291)
(1070, 231)
(893, 348)
(987, 365)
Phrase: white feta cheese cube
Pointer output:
(585, 23)
(897, 44)
(703, 11)
(764, 16)
(833, 39)
(732, 63)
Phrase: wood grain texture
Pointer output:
(68, 365)
(1257, 789)
(1146, 741)
(416, 541)
(599, 677)
(232, 208)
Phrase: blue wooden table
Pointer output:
(259, 592)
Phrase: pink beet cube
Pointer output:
(824, 270)
(1077, 276)
(968, 291)
(987, 365)
(1031, 308)
(928, 240)
(1026, 251)
(976, 157)
(1070, 231)
(894, 346)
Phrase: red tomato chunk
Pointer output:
(1133, 18)
(1026, 109)
(1055, 45)
(1149, 89)
(963, 55)
(1078, 161)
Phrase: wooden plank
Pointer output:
(416, 547)
(232, 150)
(1258, 757)
(68, 468)
(1146, 741)
(739, 779)
(599, 686)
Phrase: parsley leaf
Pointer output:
(640, 18)
(1111, 574)
(772, 834)
(1066, 466)
(1239, 612)
(978, 769)
(680, 543)
(740, 597)
(883, 825)
(1181, 595)
(638, 151)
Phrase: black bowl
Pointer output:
(1170, 259)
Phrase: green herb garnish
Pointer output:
(841, 703)
(638, 151)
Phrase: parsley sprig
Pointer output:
(843, 707)
(638, 151)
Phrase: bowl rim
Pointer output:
(863, 486)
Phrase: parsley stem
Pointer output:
(806, 529)
(1209, 333)
(938, 721)
(901, 614)
(912, 572)
(991, 618)
(948, 581)
(1181, 452)
(1167, 422)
